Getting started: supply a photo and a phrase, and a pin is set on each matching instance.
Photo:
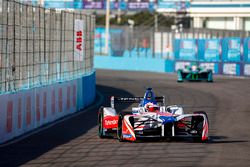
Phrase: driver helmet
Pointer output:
(150, 107)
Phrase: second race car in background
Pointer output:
(150, 119)
(195, 73)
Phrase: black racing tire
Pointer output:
(199, 128)
(119, 128)
(100, 125)
(202, 112)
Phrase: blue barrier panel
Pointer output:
(231, 49)
(64, 4)
(185, 49)
(133, 63)
(246, 44)
(88, 89)
(209, 50)
(169, 65)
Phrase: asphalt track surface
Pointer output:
(74, 142)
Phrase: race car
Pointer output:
(151, 119)
(195, 73)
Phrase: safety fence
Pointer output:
(225, 52)
(148, 42)
(46, 66)
(41, 46)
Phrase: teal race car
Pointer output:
(195, 73)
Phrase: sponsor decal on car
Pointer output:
(110, 122)
(126, 135)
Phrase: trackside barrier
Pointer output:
(27, 110)
(139, 50)
(133, 64)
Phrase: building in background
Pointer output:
(214, 14)
(221, 14)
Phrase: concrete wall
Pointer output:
(134, 64)
(24, 111)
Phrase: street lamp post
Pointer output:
(107, 27)
(41, 2)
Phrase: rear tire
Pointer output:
(100, 124)
(179, 76)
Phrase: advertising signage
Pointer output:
(212, 50)
(140, 5)
(188, 49)
(175, 5)
(232, 49)
(93, 5)
(69, 4)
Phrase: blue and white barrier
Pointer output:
(27, 110)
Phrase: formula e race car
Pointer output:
(150, 119)
(195, 73)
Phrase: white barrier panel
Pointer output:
(181, 65)
(247, 69)
(30, 109)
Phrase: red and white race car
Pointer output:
(151, 119)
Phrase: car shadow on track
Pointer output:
(212, 140)
(224, 139)
(38, 144)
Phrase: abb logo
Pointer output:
(79, 40)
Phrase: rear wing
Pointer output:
(120, 100)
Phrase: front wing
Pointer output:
(195, 76)
(188, 125)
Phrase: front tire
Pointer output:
(119, 128)
(179, 76)
(100, 124)
(199, 126)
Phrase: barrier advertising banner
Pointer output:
(247, 69)
(93, 5)
(188, 49)
(140, 5)
(27, 110)
(181, 65)
(79, 40)
(247, 49)
(231, 49)
(69, 4)
(231, 69)
(211, 66)
(212, 50)
(177, 5)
